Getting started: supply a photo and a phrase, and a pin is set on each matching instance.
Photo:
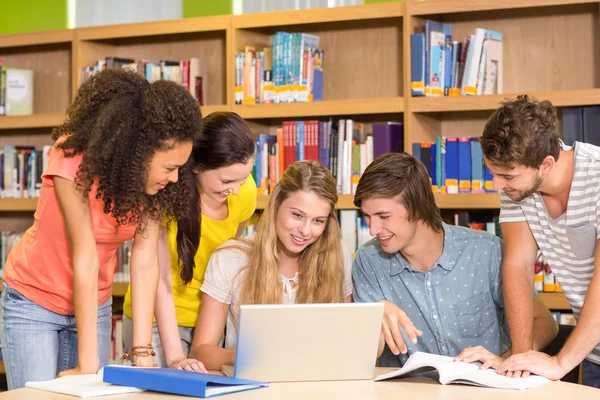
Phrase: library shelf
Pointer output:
(157, 28)
(473, 201)
(559, 98)
(555, 301)
(120, 289)
(445, 201)
(37, 38)
(436, 7)
(319, 15)
(324, 108)
(45, 120)
(8, 205)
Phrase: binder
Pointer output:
(175, 381)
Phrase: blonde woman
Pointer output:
(296, 257)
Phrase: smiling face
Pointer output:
(164, 166)
(301, 220)
(219, 183)
(518, 183)
(388, 220)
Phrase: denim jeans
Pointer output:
(37, 343)
(590, 374)
(185, 333)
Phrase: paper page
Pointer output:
(490, 378)
(418, 362)
(82, 386)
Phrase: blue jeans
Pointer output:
(37, 343)
(590, 374)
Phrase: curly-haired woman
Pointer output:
(112, 175)
(222, 160)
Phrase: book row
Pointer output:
(192, 73)
(291, 70)
(441, 66)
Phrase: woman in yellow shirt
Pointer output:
(222, 160)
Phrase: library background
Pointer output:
(336, 81)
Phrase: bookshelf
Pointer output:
(367, 68)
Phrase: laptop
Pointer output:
(307, 342)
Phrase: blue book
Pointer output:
(451, 165)
(488, 181)
(477, 183)
(416, 150)
(434, 176)
(176, 381)
(417, 64)
(464, 165)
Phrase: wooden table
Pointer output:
(421, 387)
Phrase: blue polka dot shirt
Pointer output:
(457, 303)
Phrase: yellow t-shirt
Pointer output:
(213, 233)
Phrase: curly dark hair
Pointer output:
(119, 121)
(521, 132)
(224, 140)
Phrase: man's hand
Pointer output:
(189, 364)
(393, 319)
(479, 353)
(533, 362)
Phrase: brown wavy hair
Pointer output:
(321, 269)
(400, 174)
(224, 140)
(119, 121)
(523, 131)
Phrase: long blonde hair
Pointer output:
(321, 265)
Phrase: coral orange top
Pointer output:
(40, 266)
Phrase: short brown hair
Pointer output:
(521, 132)
(400, 174)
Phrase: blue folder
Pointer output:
(176, 381)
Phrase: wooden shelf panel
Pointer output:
(468, 201)
(319, 15)
(322, 108)
(211, 109)
(18, 205)
(555, 301)
(444, 201)
(47, 120)
(157, 28)
(120, 289)
(436, 7)
(37, 38)
(559, 98)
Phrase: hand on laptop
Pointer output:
(188, 364)
(479, 353)
(394, 319)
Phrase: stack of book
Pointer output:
(289, 71)
(192, 73)
(443, 67)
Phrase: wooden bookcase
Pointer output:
(551, 50)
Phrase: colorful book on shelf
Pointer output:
(17, 88)
(175, 381)
(417, 64)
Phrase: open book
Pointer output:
(451, 371)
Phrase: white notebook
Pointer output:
(451, 371)
(90, 385)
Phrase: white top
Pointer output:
(222, 282)
(568, 242)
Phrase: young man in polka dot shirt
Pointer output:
(441, 284)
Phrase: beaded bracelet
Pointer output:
(145, 350)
